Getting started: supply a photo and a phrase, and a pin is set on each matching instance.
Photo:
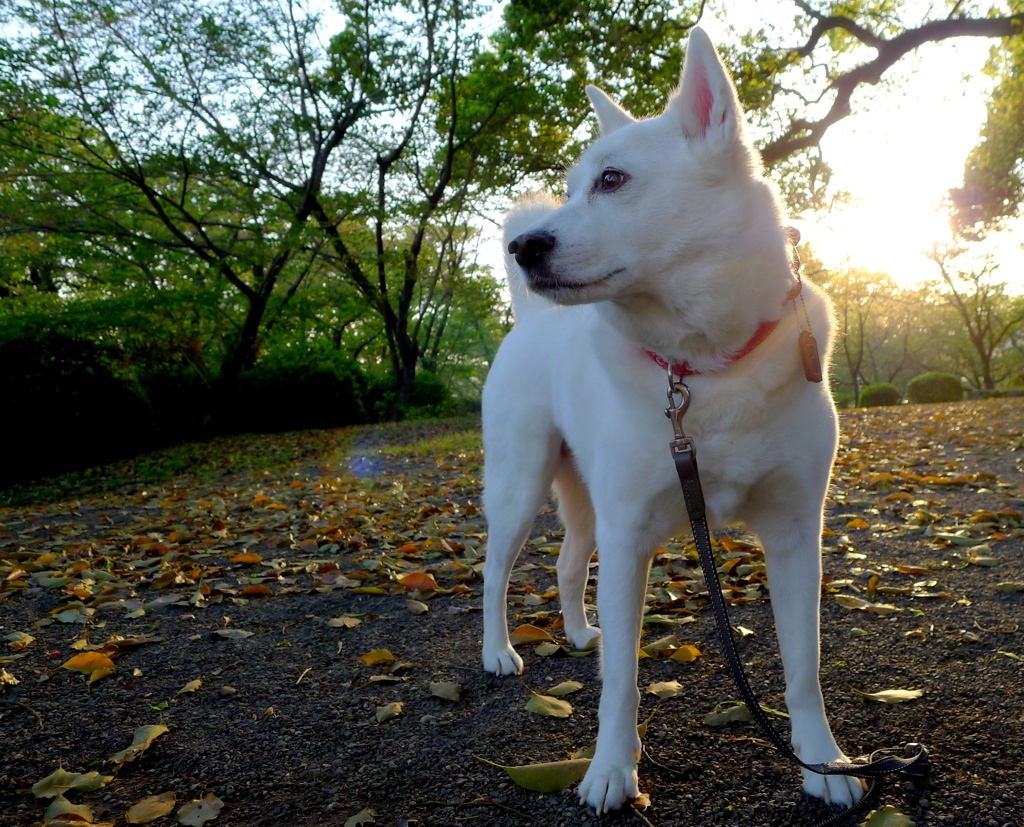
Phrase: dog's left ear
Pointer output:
(705, 103)
(610, 116)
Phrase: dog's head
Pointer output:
(649, 196)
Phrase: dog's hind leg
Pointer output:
(577, 513)
(517, 479)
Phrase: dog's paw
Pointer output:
(502, 660)
(608, 786)
(583, 638)
(843, 790)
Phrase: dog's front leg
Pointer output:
(793, 557)
(611, 779)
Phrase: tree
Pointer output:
(233, 136)
(794, 93)
(993, 187)
(990, 316)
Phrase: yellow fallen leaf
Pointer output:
(196, 813)
(60, 781)
(565, 688)
(141, 740)
(686, 653)
(364, 816)
(548, 706)
(375, 656)
(857, 523)
(150, 809)
(389, 711)
(446, 689)
(94, 664)
(891, 696)
(549, 777)
(665, 689)
(60, 806)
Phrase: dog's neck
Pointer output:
(714, 320)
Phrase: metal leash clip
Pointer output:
(675, 412)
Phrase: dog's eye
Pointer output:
(611, 180)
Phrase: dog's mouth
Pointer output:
(541, 280)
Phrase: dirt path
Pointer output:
(312, 547)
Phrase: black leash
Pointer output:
(914, 765)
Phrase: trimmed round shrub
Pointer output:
(935, 387)
(881, 393)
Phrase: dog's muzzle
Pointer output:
(531, 248)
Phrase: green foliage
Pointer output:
(67, 405)
(881, 393)
(935, 386)
(295, 389)
(993, 186)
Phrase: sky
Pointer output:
(897, 156)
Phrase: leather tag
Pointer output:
(810, 357)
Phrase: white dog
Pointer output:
(670, 246)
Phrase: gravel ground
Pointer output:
(283, 728)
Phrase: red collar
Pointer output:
(683, 368)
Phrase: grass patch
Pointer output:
(218, 456)
(454, 442)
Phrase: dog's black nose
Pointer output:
(530, 248)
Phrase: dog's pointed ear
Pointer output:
(706, 103)
(610, 116)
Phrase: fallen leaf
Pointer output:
(94, 664)
(549, 777)
(858, 603)
(142, 738)
(891, 696)
(548, 706)
(60, 781)
(888, 816)
(665, 689)
(151, 808)
(345, 621)
(416, 607)
(447, 690)
(565, 688)
(191, 686)
(528, 634)
(375, 656)
(364, 816)
(737, 713)
(389, 711)
(18, 640)
(196, 812)
(418, 581)
(686, 654)
(60, 806)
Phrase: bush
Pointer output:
(881, 393)
(935, 387)
(67, 406)
(296, 391)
